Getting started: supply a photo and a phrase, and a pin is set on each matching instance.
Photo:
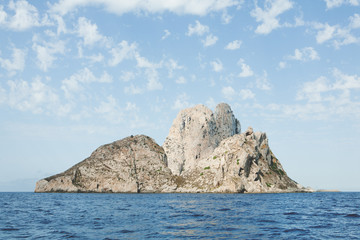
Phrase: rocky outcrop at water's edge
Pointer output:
(204, 152)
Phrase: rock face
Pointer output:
(242, 163)
(196, 132)
(134, 164)
(204, 152)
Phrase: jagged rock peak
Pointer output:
(226, 122)
(196, 132)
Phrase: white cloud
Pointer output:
(142, 62)
(305, 54)
(344, 81)
(209, 40)
(17, 63)
(88, 31)
(245, 69)
(282, 65)
(151, 73)
(211, 103)
(225, 17)
(167, 33)
(355, 21)
(76, 82)
(326, 33)
(181, 80)
(315, 91)
(197, 29)
(153, 80)
(131, 106)
(268, 16)
(262, 82)
(61, 24)
(181, 102)
(217, 65)
(122, 51)
(110, 110)
(151, 6)
(172, 66)
(246, 94)
(326, 97)
(3, 95)
(26, 15)
(340, 35)
(35, 96)
(46, 51)
(233, 45)
(96, 58)
(3, 15)
(338, 3)
(105, 78)
(133, 90)
(127, 76)
(228, 92)
(312, 90)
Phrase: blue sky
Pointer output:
(77, 74)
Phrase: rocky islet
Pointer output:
(205, 152)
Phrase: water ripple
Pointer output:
(180, 216)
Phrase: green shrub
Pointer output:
(206, 168)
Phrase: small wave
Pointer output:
(294, 230)
(9, 229)
(197, 215)
(126, 231)
(122, 209)
(224, 209)
(290, 213)
(230, 229)
(266, 221)
(320, 226)
(353, 215)
(45, 221)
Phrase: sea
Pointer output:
(180, 216)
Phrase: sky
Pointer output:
(77, 74)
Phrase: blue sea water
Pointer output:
(180, 216)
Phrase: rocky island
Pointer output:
(205, 152)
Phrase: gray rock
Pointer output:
(134, 164)
(195, 133)
(242, 163)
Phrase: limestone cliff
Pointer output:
(196, 132)
(204, 152)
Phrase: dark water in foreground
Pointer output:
(187, 216)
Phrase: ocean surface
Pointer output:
(180, 216)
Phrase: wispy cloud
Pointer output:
(268, 16)
(338, 3)
(245, 69)
(151, 6)
(16, 63)
(197, 29)
(233, 45)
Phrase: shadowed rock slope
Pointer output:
(204, 152)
